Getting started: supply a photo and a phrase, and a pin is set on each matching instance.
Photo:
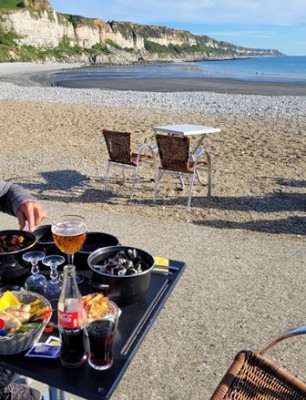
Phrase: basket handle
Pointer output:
(293, 332)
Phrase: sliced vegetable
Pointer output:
(26, 327)
(8, 300)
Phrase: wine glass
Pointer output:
(69, 233)
(54, 286)
(35, 282)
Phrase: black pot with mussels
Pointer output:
(123, 273)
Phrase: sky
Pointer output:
(267, 24)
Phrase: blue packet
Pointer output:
(49, 349)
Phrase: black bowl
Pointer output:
(12, 265)
(4, 289)
(29, 240)
(94, 241)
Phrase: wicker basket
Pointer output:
(23, 341)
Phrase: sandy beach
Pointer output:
(258, 161)
(244, 246)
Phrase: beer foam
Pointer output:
(69, 229)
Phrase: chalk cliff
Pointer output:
(36, 24)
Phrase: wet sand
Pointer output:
(194, 85)
(28, 74)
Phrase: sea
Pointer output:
(285, 69)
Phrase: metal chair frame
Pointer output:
(176, 159)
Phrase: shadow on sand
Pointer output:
(70, 182)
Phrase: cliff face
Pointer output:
(42, 30)
(38, 25)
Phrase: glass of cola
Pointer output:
(101, 333)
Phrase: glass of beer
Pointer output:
(69, 233)
(101, 334)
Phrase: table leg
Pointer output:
(199, 143)
(197, 172)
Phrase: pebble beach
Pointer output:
(244, 247)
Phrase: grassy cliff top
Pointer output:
(32, 4)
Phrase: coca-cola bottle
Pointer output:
(71, 321)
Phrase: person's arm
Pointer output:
(15, 200)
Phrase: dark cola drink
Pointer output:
(101, 335)
(71, 321)
(72, 347)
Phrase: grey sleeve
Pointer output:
(12, 196)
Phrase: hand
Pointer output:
(30, 211)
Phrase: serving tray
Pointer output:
(135, 321)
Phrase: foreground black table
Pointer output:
(135, 321)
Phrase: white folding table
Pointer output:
(187, 130)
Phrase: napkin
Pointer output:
(161, 261)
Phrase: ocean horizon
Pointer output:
(283, 69)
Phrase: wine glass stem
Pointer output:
(34, 269)
(53, 272)
(70, 257)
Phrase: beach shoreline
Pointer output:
(42, 74)
(216, 85)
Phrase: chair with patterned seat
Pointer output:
(119, 148)
(254, 377)
(177, 159)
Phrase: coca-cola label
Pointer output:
(68, 319)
